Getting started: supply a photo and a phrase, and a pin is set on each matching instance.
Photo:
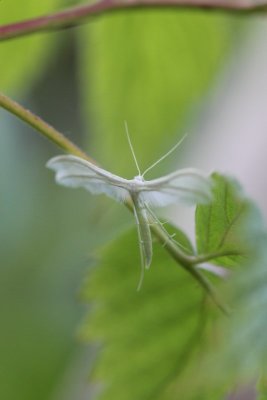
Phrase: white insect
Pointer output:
(185, 185)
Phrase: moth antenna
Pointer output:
(165, 155)
(131, 147)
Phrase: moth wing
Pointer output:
(188, 186)
(76, 172)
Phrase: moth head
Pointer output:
(139, 178)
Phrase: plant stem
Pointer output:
(211, 256)
(188, 263)
(41, 126)
(76, 15)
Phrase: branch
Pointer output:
(41, 126)
(76, 15)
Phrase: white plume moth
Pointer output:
(185, 185)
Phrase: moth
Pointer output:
(189, 186)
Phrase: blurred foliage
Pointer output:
(262, 387)
(43, 251)
(154, 341)
(148, 336)
(23, 60)
(240, 357)
(149, 68)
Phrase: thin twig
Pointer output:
(41, 126)
(77, 15)
(212, 256)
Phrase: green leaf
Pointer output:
(219, 224)
(248, 292)
(23, 60)
(148, 338)
(148, 68)
(239, 354)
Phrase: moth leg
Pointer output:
(161, 224)
(144, 236)
(158, 222)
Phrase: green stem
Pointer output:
(41, 126)
(76, 15)
(212, 256)
(187, 262)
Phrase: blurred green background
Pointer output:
(154, 69)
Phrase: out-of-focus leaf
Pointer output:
(219, 224)
(149, 337)
(262, 388)
(23, 60)
(247, 348)
(239, 355)
(44, 241)
(148, 68)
